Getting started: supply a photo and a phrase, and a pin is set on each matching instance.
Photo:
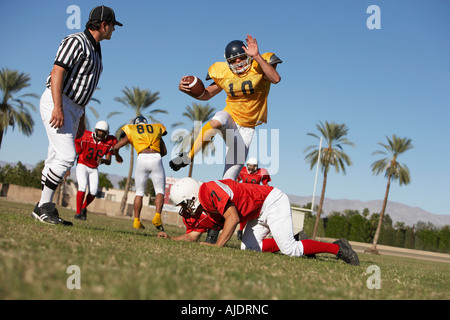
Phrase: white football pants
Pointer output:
(87, 176)
(61, 154)
(149, 164)
(275, 217)
(238, 140)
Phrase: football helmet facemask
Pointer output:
(140, 119)
(184, 193)
(101, 126)
(234, 51)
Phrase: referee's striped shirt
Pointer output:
(81, 57)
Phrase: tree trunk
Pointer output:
(373, 249)
(322, 198)
(123, 204)
(1, 137)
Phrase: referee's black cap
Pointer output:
(104, 13)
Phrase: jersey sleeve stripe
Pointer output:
(225, 188)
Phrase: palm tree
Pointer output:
(332, 155)
(198, 114)
(393, 170)
(138, 101)
(13, 109)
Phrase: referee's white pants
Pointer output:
(61, 153)
(87, 176)
(149, 164)
(275, 217)
(238, 140)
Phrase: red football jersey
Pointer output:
(89, 150)
(260, 176)
(214, 197)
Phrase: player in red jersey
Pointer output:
(222, 204)
(252, 174)
(91, 147)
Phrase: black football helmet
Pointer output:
(234, 50)
(139, 120)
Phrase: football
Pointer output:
(196, 85)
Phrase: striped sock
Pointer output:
(51, 183)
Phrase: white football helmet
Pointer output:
(184, 193)
(252, 161)
(252, 165)
(102, 126)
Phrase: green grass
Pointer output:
(118, 262)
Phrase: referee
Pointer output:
(70, 85)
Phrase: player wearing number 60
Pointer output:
(93, 149)
(147, 141)
(246, 77)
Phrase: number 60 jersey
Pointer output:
(247, 93)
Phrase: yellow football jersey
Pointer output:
(246, 94)
(142, 136)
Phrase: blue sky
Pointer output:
(379, 82)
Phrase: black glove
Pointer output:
(181, 161)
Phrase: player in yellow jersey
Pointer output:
(147, 140)
(246, 77)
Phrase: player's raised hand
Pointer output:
(252, 45)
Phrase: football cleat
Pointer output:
(346, 252)
(138, 225)
(81, 216)
(47, 213)
(157, 222)
(181, 161)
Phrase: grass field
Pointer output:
(117, 262)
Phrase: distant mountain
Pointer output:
(397, 211)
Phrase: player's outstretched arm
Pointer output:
(270, 72)
(119, 145)
(193, 236)
(231, 221)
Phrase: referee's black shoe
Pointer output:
(47, 213)
(181, 161)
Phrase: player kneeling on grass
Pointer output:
(223, 204)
